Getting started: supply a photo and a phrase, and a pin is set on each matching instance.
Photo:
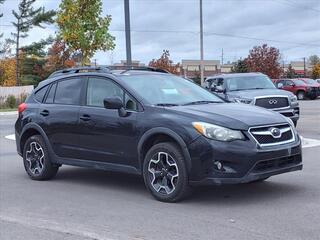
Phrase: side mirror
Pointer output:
(115, 103)
(291, 84)
(280, 85)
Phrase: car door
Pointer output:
(105, 135)
(60, 115)
(288, 86)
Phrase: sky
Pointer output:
(235, 26)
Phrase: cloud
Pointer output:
(174, 25)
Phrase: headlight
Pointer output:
(217, 132)
(293, 98)
(243, 100)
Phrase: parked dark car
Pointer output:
(301, 88)
(255, 89)
(167, 129)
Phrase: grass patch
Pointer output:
(7, 109)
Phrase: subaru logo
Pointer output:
(273, 101)
(275, 132)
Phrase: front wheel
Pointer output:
(165, 174)
(301, 95)
(36, 159)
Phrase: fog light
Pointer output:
(218, 165)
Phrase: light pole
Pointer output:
(127, 30)
(201, 45)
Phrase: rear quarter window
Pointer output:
(39, 94)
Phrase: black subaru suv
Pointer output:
(169, 130)
(256, 89)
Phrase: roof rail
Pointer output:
(79, 70)
(137, 68)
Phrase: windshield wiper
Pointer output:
(167, 104)
(201, 102)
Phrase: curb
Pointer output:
(9, 113)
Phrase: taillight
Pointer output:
(22, 107)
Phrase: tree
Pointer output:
(1, 15)
(316, 71)
(314, 60)
(264, 59)
(240, 67)
(59, 57)
(38, 48)
(165, 63)
(83, 28)
(7, 72)
(26, 18)
(290, 73)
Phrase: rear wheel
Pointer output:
(165, 174)
(36, 159)
(301, 95)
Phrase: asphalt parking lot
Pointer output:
(90, 204)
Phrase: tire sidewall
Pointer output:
(182, 183)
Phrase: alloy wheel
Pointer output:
(35, 158)
(163, 173)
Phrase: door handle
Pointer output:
(85, 117)
(44, 113)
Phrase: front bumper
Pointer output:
(242, 161)
(292, 113)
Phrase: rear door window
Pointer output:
(68, 91)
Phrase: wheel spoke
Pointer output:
(163, 172)
(35, 158)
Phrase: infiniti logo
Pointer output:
(273, 101)
(275, 132)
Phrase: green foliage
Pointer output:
(83, 28)
(26, 18)
(38, 48)
(240, 67)
(11, 101)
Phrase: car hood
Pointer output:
(250, 94)
(231, 115)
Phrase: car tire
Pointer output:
(36, 159)
(301, 95)
(165, 173)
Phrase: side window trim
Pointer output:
(44, 96)
(53, 84)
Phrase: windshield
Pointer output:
(249, 83)
(310, 81)
(299, 82)
(166, 89)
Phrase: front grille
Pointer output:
(265, 136)
(273, 164)
(272, 102)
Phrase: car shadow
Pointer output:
(225, 195)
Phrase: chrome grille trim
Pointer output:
(271, 96)
(282, 130)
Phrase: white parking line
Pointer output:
(306, 142)
(11, 137)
